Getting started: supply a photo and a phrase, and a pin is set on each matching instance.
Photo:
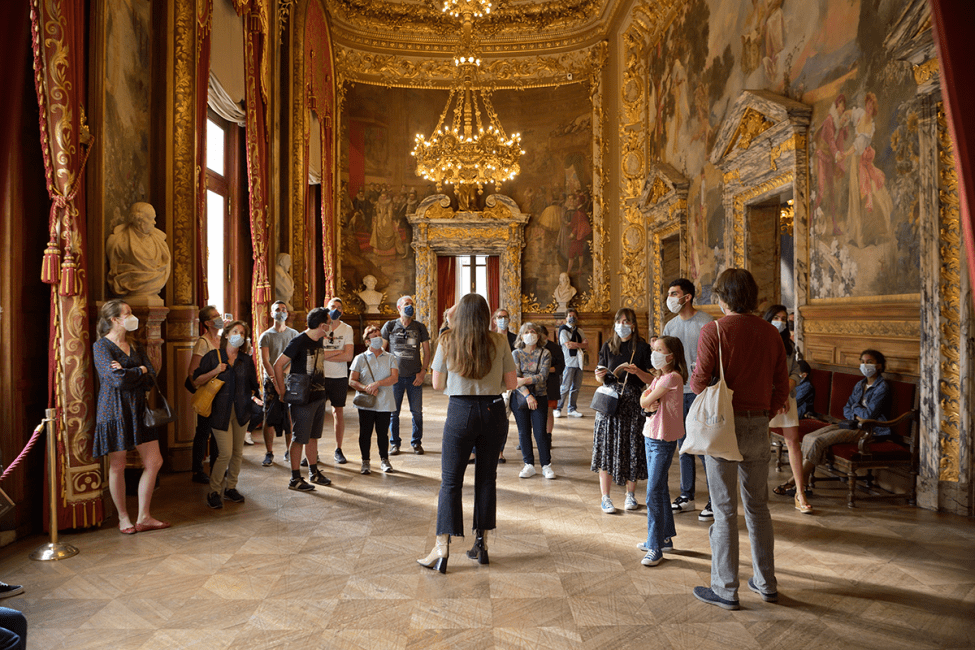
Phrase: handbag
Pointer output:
(296, 389)
(710, 422)
(159, 416)
(203, 397)
(607, 398)
(365, 400)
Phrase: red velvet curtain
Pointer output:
(952, 27)
(494, 282)
(446, 279)
(328, 208)
(204, 19)
(58, 44)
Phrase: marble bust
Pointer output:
(370, 297)
(284, 285)
(139, 262)
(564, 292)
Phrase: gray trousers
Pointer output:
(723, 475)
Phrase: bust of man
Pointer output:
(372, 298)
(564, 292)
(284, 286)
(139, 262)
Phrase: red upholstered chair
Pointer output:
(822, 383)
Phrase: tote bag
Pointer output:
(710, 423)
(788, 419)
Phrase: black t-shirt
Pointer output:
(307, 356)
(641, 359)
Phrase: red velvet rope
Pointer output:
(23, 454)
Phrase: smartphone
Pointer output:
(227, 318)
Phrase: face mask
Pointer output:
(281, 316)
(868, 370)
(623, 331)
(409, 310)
(236, 340)
(217, 323)
(570, 321)
(529, 339)
(131, 323)
(723, 310)
(779, 325)
(502, 323)
(376, 342)
(335, 314)
(659, 359)
(673, 304)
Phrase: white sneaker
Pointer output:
(248, 440)
(556, 413)
(607, 505)
(366, 469)
(630, 503)
(547, 471)
(385, 466)
(575, 414)
(682, 504)
(527, 471)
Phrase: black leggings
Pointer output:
(380, 421)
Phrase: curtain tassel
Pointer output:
(69, 275)
(49, 267)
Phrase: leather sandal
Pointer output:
(787, 489)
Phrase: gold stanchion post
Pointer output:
(54, 550)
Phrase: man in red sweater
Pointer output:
(755, 370)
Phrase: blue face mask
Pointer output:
(408, 311)
(376, 343)
(235, 341)
(622, 330)
(335, 314)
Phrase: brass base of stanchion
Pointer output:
(59, 551)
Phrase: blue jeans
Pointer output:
(533, 423)
(471, 420)
(571, 383)
(660, 516)
(415, 394)
(13, 629)
(687, 468)
(753, 443)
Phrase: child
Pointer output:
(805, 392)
(665, 400)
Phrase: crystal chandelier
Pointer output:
(474, 149)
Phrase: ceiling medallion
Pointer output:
(457, 8)
(474, 151)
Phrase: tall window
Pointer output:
(218, 201)
(472, 276)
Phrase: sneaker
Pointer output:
(527, 471)
(630, 503)
(652, 558)
(769, 598)
(304, 462)
(319, 478)
(233, 495)
(668, 545)
(214, 500)
(340, 457)
(201, 478)
(707, 514)
(418, 449)
(6, 591)
(394, 450)
(287, 456)
(547, 471)
(365, 468)
(556, 413)
(248, 439)
(705, 595)
(268, 459)
(575, 414)
(385, 466)
(300, 485)
(682, 504)
(607, 505)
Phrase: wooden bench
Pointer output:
(898, 451)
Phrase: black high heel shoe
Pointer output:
(437, 560)
(479, 551)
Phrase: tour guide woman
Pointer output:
(474, 365)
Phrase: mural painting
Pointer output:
(863, 138)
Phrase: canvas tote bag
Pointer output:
(710, 423)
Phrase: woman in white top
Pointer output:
(212, 323)
(373, 373)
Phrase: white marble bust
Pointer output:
(284, 286)
(139, 262)
(564, 292)
(372, 298)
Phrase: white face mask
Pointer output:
(779, 325)
(868, 370)
(376, 343)
(529, 339)
(659, 359)
(236, 340)
(674, 304)
(502, 323)
(281, 316)
(623, 331)
(130, 323)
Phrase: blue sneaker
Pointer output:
(705, 595)
(772, 597)
(668, 545)
(652, 558)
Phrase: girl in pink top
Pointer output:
(665, 400)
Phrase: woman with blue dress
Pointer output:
(125, 374)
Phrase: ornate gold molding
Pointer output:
(183, 129)
(438, 233)
(299, 248)
(950, 289)
(752, 125)
(738, 225)
(796, 141)
(926, 70)
(864, 328)
(657, 190)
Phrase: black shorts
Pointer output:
(336, 390)
(308, 421)
(275, 414)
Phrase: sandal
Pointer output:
(787, 489)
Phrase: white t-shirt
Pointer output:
(337, 340)
(688, 331)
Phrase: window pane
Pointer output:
(480, 279)
(215, 144)
(463, 275)
(215, 245)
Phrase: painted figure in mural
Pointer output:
(284, 285)
(363, 206)
(828, 140)
(385, 238)
(870, 206)
(138, 257)
(577, 233)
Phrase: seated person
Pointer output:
(805, 392)
(870, 401)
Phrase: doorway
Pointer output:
(770, 250)
(669, 270)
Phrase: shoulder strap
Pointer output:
(720, 359)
